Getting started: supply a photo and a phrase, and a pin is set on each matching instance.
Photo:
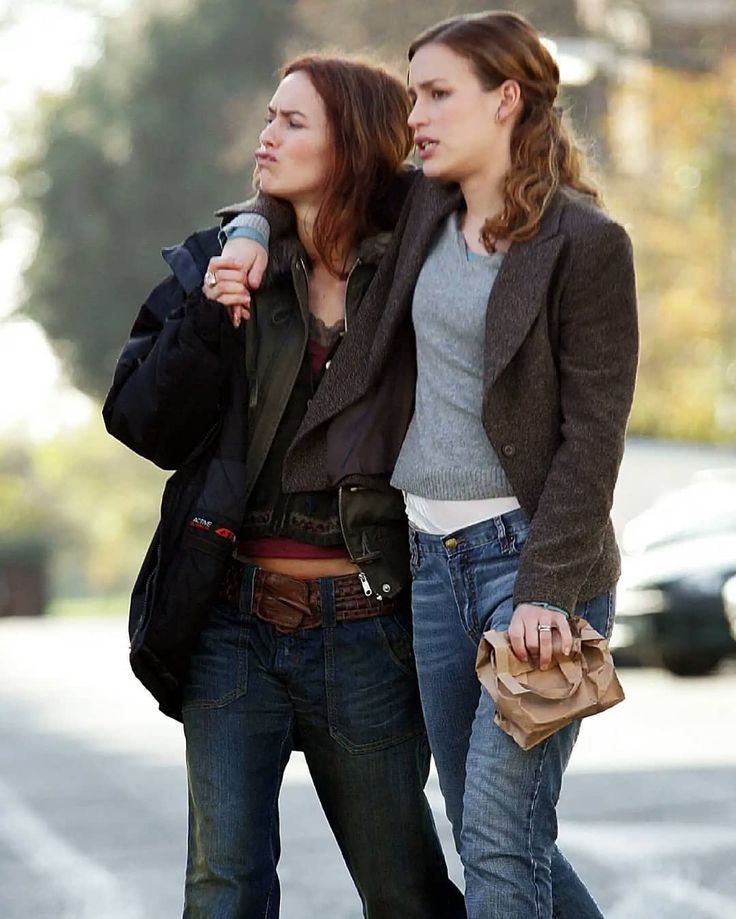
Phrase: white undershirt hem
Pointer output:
(438, 518)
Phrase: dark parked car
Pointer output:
(670, 602)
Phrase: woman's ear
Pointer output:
(509, 102)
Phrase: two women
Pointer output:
(517, 292)
(271, 616)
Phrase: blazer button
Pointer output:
(508, 449)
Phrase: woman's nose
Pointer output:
(266, 136)
(415, 116)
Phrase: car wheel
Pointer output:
(691, 663)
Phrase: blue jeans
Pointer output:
(346, 694)
(499, 798)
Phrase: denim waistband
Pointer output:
(496, 529)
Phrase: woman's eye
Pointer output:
(293, 124)
(268, 119)
(439, 94)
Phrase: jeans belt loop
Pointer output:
(327, 598)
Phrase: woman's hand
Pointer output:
(253, 259)
(531, 632)
(236, 272)
(224, 281)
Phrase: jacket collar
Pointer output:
(286, 251)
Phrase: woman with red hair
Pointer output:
(272, 616)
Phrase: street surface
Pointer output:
(93, 794)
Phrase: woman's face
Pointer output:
(295, 145)
(454, 117)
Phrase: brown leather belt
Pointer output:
(296, 603)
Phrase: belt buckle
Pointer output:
(284, 602)
(288, 616)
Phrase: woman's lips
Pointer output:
(426, 147)
(264, 159)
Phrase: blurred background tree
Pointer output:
(153, 137)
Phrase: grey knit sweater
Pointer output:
(446, 453)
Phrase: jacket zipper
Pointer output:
(364, 583)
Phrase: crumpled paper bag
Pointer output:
(532, 704)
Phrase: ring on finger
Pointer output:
(210, 279)
(544, 628)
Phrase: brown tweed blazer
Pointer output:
(559, 371)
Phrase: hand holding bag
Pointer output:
(532, 704)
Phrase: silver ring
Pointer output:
(210, 279)
(544, 628)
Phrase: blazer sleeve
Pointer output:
(167, 389)
(598, 353)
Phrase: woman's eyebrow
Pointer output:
(287, 113)
(427, 84)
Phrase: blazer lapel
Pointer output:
(514, 303)
(518, 294)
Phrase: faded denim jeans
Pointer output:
(500, 799)
(346, 694)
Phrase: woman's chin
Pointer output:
(434, 169)
(267, 184)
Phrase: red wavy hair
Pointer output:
(367, 110)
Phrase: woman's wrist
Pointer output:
(550, 606)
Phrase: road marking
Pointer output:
(88, 889)
(653, 895)
(636, 843)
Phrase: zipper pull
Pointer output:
(367, 589)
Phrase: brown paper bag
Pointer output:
(530, 703)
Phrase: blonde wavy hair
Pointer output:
(544, 153)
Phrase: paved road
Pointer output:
(92, 794)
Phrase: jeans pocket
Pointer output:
(218, 669)
(372, 691)
(599, 612)
(395, 629)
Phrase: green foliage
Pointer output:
(161, 131)
(93, 503)
(675, 214)
(154, 137)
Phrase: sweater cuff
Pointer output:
(248, 226)
(562, 597)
